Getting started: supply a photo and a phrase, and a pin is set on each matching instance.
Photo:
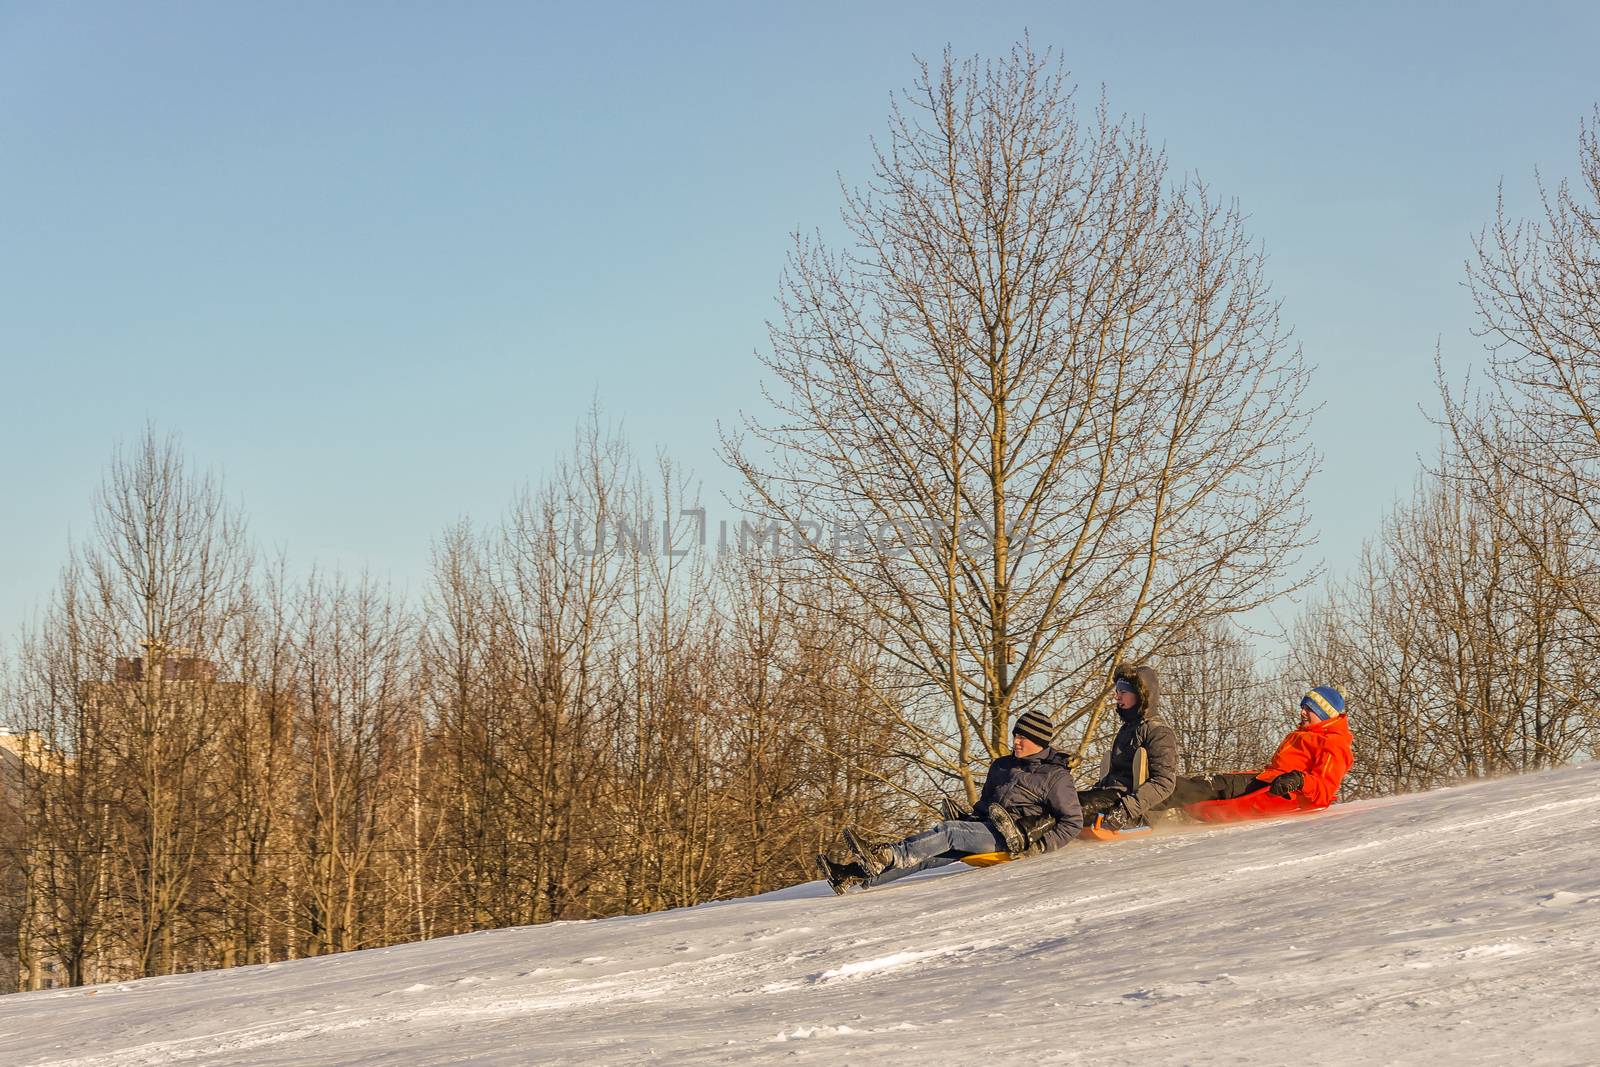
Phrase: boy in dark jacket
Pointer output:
(1117, 801)
(1033, 783)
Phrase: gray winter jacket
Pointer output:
(1036, 785)
(1143, 728)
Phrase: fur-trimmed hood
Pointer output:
(1145, 684)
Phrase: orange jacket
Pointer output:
(1322, 752)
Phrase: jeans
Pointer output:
(945, 843)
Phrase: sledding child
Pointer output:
(1120, 799)
(1032, 783)
(1303, 774)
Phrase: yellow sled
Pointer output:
(987, 859)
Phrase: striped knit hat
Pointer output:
(1036, 727)
(1325, 701)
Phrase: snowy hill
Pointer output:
(1459, 926)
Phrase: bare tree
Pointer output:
(166, 574)
(1040, 412)
(352, 649)
(1536, 284)
(256, 782)
(1228, 716)
(64, 788)
(463, 666)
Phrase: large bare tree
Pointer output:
(1039, 411)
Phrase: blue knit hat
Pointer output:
(1325, 701)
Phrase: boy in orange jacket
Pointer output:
(1303, 775)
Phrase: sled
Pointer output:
(1094, 832)
(1258, 805)
(987, 859)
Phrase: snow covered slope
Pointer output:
(1460, 926)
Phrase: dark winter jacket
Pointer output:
(1040, 784)
(1142, 727)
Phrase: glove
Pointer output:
(953, 811)
(1033, 828)
(1286, 783)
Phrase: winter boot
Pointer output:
(841, 877)
(1096, 802)
(874, 859)
(1006, 826)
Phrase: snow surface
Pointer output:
(1459, 926)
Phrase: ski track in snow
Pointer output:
(1461, 925)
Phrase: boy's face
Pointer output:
(1022, 748)
(1126, 699)
(1309, 718)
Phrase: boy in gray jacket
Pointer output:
(1117, 801)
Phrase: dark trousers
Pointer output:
(1211, 787)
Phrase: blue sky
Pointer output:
(373, 262)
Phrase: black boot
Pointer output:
(874, 859)
(841, 877)
(1098, 802)
(1009, 831)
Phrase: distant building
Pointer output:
(180, 668)
(181, 701)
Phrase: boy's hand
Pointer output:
(1286, 783)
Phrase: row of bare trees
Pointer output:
(1462, 653)
(212, 765)
(1469, 633)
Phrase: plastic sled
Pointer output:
(1258, 805)
(986, 859)
(1093, 831)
